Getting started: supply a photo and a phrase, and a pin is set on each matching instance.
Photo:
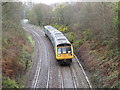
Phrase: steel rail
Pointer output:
(83, 71)
(73, 77)
(62, 81)
(37, 73)
(48, 79)
(47, 84)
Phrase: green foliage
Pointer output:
(5, 41)
(116, 10)
(95, 79)
(78, 42)
(115, 22)
(25, 58)
(59, 13)
(116, 84)
(12, 40)
(61, 28)
(40, 14)
(71, 37)
(86, 34)
(9, 83)
(65, 29)
(12, 11)
(31, 40)
(56, 26)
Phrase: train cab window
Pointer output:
(68, 49)
(64, 50)
(59, 50)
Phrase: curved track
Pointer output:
(46, 72)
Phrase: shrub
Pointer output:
(79, 42)
(86, 34)
(29, 38)
(61, 28)
(71, 37)
(9, 83)
(65, 30)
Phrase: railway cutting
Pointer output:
(46, 72)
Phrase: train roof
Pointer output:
(58, 36)
(50, 27)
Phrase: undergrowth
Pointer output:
(17, 55)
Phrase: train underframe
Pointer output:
(65, 61)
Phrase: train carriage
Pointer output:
(62, 47)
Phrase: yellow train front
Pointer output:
(62, 47)
(64, 53)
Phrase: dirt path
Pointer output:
(46, 72)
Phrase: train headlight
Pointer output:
(58, 55)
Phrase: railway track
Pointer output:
(46, 72)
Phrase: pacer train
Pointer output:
(62, 47)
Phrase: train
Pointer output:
(62, 47)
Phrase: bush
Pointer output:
(9, 83)
(86, 34)
(29, 38)
(79, 42)
(61, 28)
(71, 37)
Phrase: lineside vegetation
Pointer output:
(17, 47)
(93, 30)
